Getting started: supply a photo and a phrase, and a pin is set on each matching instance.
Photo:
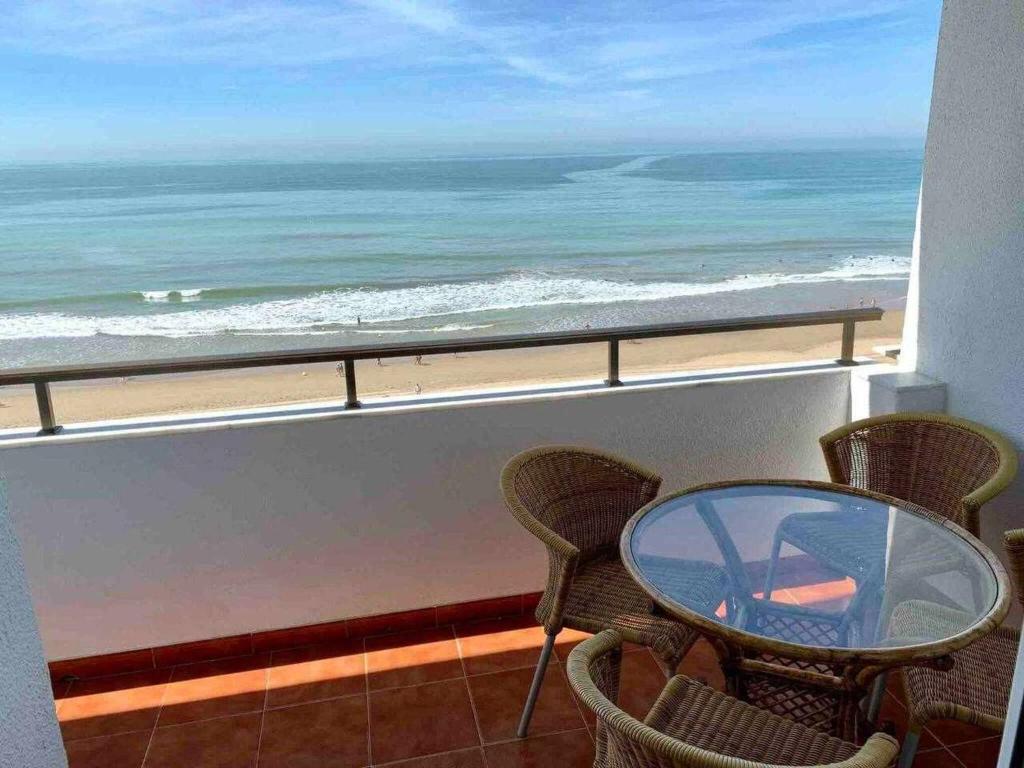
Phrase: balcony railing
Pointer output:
(41, 378)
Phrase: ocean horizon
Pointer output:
(124, 261)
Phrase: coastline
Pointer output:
(150, 396)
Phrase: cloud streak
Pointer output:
(596, 47)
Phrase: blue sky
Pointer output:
(205, 79)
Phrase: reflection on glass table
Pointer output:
(824, 621)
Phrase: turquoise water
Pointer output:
(121, 261)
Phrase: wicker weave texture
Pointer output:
(948, 465)
(577, 501)
(976, 690)
(694, 726)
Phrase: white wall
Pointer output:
(133, 541)
(29, 735)
(969, 330)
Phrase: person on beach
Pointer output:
(419, 359)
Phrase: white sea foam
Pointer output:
(330, 311)
(187, 294)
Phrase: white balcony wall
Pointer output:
(968, 290)
(199, 532)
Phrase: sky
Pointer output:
(88, 80)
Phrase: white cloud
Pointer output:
(596, 47)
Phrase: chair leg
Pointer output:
(538, 678)
(875, 701)
(909, 748)
(769, 579)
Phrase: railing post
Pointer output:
(45, 404)
(351, 399)
(613, 364)
(846, 354)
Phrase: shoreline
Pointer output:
(195, 392)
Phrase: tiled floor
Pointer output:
(438, 698)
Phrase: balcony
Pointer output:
(258, 587)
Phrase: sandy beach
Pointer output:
(401, 377)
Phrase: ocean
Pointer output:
(107, 261)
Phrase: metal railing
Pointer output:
(41, 378)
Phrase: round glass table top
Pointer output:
(811, 565)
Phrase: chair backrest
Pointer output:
(584, 496)
(948, 465)
(1014, 543)
(625, 742)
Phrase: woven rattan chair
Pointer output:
(694, 726)
(976, 690)
(577, 501)
(947, 465)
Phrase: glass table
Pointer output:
(828, 587)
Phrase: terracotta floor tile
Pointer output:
(215, 689)
(951, 732)
(499, 699)
(936, 758)
(412, 658)
(108, 705)
(500, 644)
(421, 720)
(979, 754)
(125, 750)
(569, 638)
(701, 663)
(326, 733)
(560, 750)
(464, 758)
(226, 742)
(320, 672)
(641, 684)
(893, 711)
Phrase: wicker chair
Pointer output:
(694, 726)
(577, 501)
(977, 688)
(947, 465)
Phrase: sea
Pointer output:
(106, 261)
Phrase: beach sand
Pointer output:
(149, 396)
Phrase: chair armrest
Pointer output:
(563, 558)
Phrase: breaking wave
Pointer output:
(336, 310)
